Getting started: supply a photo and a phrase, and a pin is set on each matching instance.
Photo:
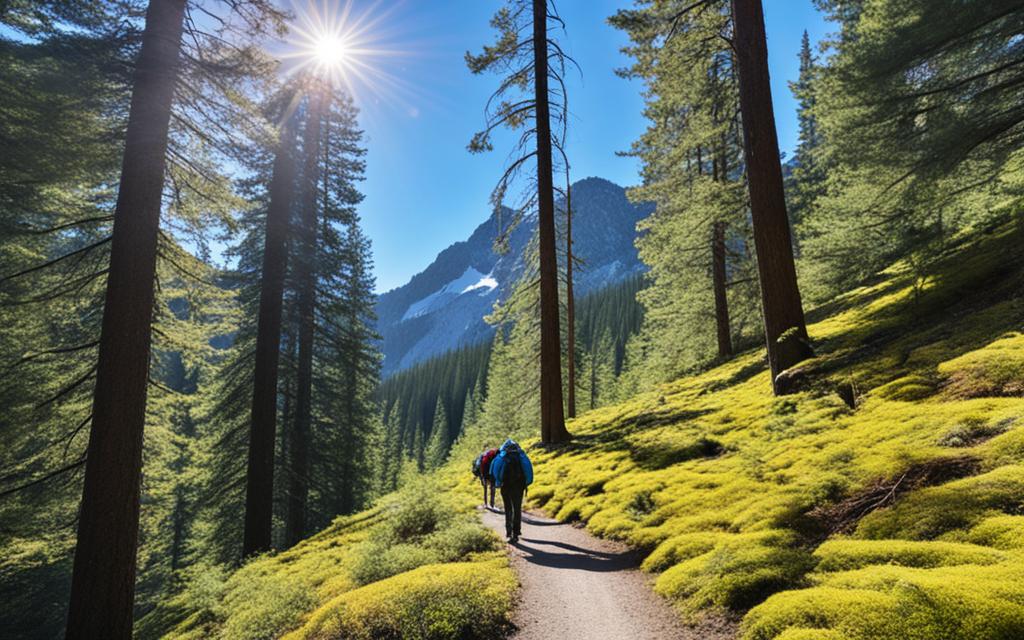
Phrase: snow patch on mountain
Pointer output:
(487, 283)
(470, 280)
(439, 309)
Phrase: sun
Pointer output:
(331, 51)
(328, 40)
(356, 51)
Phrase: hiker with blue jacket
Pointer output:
(512, 472)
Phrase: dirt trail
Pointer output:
(578, 587)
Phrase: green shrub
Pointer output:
(419, 509)
(840, 555)
(373, 561)
(460, 539)
(641, 505)
(458, 601)
(276, 593)
(263, 610)
(738, 572)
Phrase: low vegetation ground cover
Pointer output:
(418, 565)
(883, 500)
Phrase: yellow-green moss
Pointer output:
(387, 549)
(907, 389)
(457, 601)
(892, 603)
(810, 634)
(845, 554)
(731, 525)
(738, 572)
(995, 370)
(720, 482)
(960, 504)
(998, 532)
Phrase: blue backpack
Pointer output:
(512, 466)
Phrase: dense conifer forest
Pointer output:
(802, 414)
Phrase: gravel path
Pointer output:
(578, 587)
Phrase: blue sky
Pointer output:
(420, 106)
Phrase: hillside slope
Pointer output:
(884, 501)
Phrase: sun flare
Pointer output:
(358, 48)
(330, 50)
(330, 40)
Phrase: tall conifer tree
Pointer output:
(103, 581)
(785, 329)
(528, 62)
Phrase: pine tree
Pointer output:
(570, 303)
(527, 62)
(305, 285)
(785, 329)
(61, 154)
(263, 421)
(102, 587)
(702, 297)
(806, 181)
(438, 444)
(455, 378)
(909, 168)
(344, 432)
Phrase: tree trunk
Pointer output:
(259, 490)
(718, 276)
(552, 416)
(570, 303)
(719, 272)
(103, 578)
(305, 279)
(785, 330)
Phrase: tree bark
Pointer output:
(719, 272)
(718, 276)
(570, 303)
(552, 416)
(103, 578)
(305, 279)
(259, 490)
(785, 329)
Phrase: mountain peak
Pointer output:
(443, 306)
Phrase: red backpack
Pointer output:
(485, 463)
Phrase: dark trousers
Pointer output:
(488, 483)
(512, 498)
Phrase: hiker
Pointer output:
(512, 472)
(482, 470)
